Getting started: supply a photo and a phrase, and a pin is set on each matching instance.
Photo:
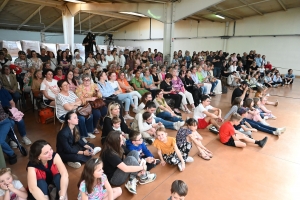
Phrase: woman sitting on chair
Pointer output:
(67, 101)
(49, 88)
(69, 144)
(9, 82)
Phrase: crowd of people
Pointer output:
(157, 92)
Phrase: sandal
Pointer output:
(96, 131)
(208, 152)
(204, 157)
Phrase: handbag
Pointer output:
(85, 110)
(98, 103)
(112, 97)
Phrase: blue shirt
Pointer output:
(106, 89)
(290, 76)
(142, 149)
(195, 78)
(258, 61)
(5, 97)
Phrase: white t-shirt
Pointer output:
(53, 85)
(198, 113)
(115, 85)
(109, 58)
(18, 185)
(103, 64)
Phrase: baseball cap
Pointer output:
(242, 110)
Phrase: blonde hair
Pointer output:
(161, 129)
(5, 170)
(111, 106)
(235, 117)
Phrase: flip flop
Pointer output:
(206, 157)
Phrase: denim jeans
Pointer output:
(16, 96)
(204, 90)
(119, 177)
(42, 184)
(21, 127)
(167, 124)
(261, 127)
(167, 116)
(127, 98)
(4, 130)
(213, 86)
(217, 72)
(97, 114)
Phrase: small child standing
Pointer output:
(231, 137)
(93, 183)
(179, 190)
(188, 135)
(135, 142)
(168, 150)
(10, 188)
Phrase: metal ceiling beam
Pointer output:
(250, 4)
(3, 5)
(228, 13)
(112, 28)
(279, 1)
(116, 15)
(30, 16)
(104, 22)
(47, 27)
(251, 7)
(85, 19)
(199, 18)
(56, 4)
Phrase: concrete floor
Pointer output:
(250, 173)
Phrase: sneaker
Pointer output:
(96, 150)
(12, 144)
(282, 130)
(189, 159)
(178, 124)
(263, 142)
(179, 166)
(26, 140)
(135, 110)
(214, 130)
(128, 117)
(75, 165)
(266, 117)
(277, 132)
(150, 178)
(131, 186)
(149, 140)
(90, 135)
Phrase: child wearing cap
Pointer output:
(231, 137)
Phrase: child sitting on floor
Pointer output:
(10, 188)
(262, 108)
(179, 190)
(231, 137)
(168, 150)
(93, 183)
(116, 125)
(135, 142)
(188, 135)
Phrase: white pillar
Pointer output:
(168, 46)
(68, 27)
(226, 34)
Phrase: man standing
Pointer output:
(218, 61)
(88, 43)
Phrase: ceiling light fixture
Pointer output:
(219, 16)
(75, 1)
(133, 13)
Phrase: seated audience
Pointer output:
(187, 136)
(77, 61)
(45, 167)
(233, 79)
(70, 146)
(135, 143)
(59, 74)
(199, 84)
(241, 91)
(155, 75)
(162, 73)
(137, 82)
(277, 80)
(10, 187)
(49, 88)
(71, 81)
(289, 77)
(118, 169)
(86, 92)
(28, 80)
(36, 62)
(204, 117)
(9, 82)
(93, 183)
(231, 137)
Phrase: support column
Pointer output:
(226, 34)
(68, 27)
(168, 31)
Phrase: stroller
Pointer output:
(12, 137)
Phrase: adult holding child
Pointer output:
(119, 167)
(45, 167)
(70, 146)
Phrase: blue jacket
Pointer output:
(142, 149)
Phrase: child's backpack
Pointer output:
(45, 114)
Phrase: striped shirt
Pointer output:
(62, 100)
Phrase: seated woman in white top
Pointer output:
(49, 88)
(233, 67)
(103, 62)
(77, 61)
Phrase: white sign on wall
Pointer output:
(49, 47)
(13, 47)
(32, 45)
(63, 47)
(99, 47)
(81, 49)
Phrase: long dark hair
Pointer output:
(76, 134)
(87, 174)
(112, 144)
(237, 101)
(36, 150)
(143, 99)
(247, 103)
(73, 79)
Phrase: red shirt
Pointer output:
(268, 66)
(40, 174)
(226, 131)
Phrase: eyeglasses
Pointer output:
(86, 79)
(4, 170)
